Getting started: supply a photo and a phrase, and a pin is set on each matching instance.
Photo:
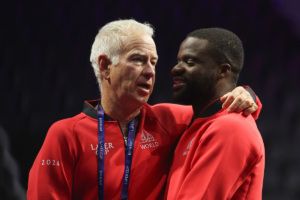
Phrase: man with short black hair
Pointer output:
(221, 155)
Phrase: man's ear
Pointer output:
(225, 68)
(104, 63)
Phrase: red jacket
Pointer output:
(66, 166)
(220, 156)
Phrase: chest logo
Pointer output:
(107, 146)
(148, 141)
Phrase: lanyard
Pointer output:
(101, 154)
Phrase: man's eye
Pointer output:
(138, 60)
(190, 61)
(154, 63)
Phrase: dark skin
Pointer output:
(197, 78)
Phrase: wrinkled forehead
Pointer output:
(143, 44)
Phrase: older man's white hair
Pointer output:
(111, 38)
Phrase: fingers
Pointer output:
(250, 110)
(230, 98)
(239, 100)
(242, 105)
(239, 90)
(224, 97)
(235, 106)
(227, 99)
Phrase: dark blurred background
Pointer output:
(45, 74)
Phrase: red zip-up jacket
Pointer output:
(66, 166)
(220, 156)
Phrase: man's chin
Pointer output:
(180, 98)
(142, 99)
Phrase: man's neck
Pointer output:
(120, 111)
(200, 105)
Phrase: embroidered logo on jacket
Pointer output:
(107, 147)
(188, 147)
(148, 141)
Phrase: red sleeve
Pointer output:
(256, 114)
(228, 155)
(51, 174)
(173, 117)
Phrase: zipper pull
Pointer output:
(125, 140)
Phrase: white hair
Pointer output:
(110, 40)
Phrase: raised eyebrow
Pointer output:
(137, 54)
(188, 56)
(142, 55)
(154, 57)
(180, 58)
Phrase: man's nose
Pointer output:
(149, 71)
(177, 69)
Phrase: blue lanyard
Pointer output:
(101, 154)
